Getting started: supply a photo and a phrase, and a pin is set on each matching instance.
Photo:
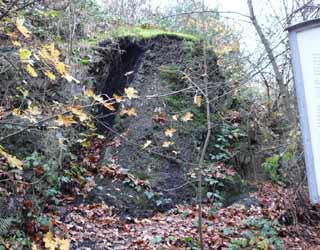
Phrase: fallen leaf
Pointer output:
(49, 242)
(131, 93)
(24, 54)
(65, 120)
(175, 117)
(13, 161)
(187, 116)
(169, 132)
(109, 106)
(197, 100)
(31, 71)
(79, 113)
(147, 144)
(50, 75)
(129, 112)
(117, 98)
(167, 144)
(23, 30)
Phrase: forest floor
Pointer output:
(98, 226)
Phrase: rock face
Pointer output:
(157, 69)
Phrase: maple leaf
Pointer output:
(24, 54)
(167, 144)
(131, 93)
(169, 132)
(117, 97)
(147, 144)
(187, 117)
(50, 75)
(197, 100)
(79, 113)
(23, 30)
(31, 71)
(65, 120)
(109, 106)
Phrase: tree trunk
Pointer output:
(284, 93)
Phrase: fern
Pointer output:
(5, 225)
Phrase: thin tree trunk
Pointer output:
(279, 79)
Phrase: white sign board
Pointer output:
(305, 50)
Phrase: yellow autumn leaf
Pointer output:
(88, 92)
(12, 160)
(187, 116)
(63, 244)
(24, 54)
(23, 30)
(16, 43)
(31, 71)
(109, 106)
(44, 54)
(167, 144)
(61, 68)
(131, 112)
(49, 242)
(79, 113)
(197, 100)
(17, 112)
(65, 120)
(50, 75)
(117, 97)
(34, 247)
(54, 53)
(146, 144)
(170, 131)
(131, 93)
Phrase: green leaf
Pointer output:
(84, 61)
